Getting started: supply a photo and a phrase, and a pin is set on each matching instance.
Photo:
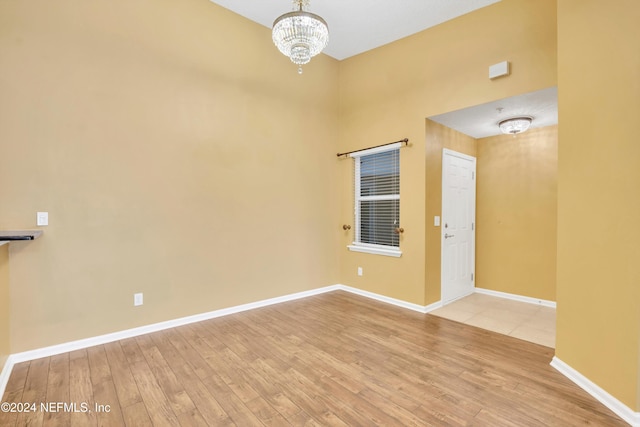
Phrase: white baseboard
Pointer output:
(530, 300)
(619, 408)
(5, 374)
(393, 301)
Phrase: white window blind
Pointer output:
(377, 200)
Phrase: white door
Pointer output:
(458, 225)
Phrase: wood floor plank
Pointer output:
(312, 405)
(318, 383)
(7, 417)
(230, 402)
(343, 409)
(266, 413)
(58, 390)
(226, 363)
(131, 351)
(13, 392)
(99, 364)
(125, 384)
(206, 403)
(334, 359)
(158, 406)
(107, 404)
(80, 390)
(35, 392)
(18, 377)
(136, 415)
(179, 399)
(190, 355)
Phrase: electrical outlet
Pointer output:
(137, 299)
(42, 218)
(359, 271)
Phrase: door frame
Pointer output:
(449, 152)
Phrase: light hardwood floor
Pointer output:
(332, 359)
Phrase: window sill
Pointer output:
(376, 250)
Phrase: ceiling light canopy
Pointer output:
(300, 35)
(515, 125)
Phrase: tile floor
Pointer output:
(529, 322)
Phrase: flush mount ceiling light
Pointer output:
(515, 125)
(300, 35)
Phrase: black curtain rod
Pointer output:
(406, 141)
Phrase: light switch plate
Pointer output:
(42, 218)
(436, 221)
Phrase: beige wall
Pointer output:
(516, 213)
(178, 154)
(5, 348)
(387, 93)
(598, 281)
(438, 137)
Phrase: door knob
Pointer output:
(446, 236)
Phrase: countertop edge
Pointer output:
(7, 236)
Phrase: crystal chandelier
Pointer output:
(515, 125)
(300, 35)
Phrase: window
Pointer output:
(377, 200)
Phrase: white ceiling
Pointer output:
(482, 120)
(356, 26)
